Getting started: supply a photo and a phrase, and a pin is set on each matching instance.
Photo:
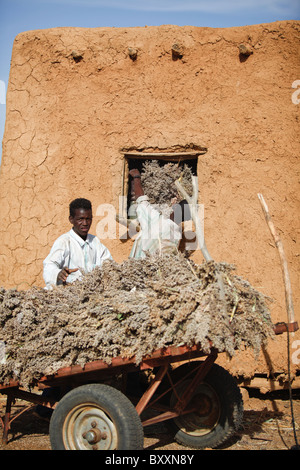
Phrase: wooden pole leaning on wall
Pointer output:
(193, 204)
(284, 265)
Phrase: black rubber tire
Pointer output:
(225, 405)
(95, 410)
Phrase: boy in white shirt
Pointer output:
(76, 251)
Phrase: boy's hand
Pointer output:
(64, 273)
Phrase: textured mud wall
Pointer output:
(76, 98)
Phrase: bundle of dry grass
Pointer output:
(159, 182)
(129, 309)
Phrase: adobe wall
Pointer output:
(76, 98)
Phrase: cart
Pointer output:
(200, 401)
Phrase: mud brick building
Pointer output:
(84, 105)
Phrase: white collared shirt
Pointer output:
(158, 234)
(71, 251)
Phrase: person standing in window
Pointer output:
(158, 234)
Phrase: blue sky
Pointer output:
(17, 16)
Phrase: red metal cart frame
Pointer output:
(99, 371)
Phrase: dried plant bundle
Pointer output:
(130, 310)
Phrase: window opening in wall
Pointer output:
(136, 159)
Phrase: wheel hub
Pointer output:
(89, 428)
(206, 406)
(94, 435)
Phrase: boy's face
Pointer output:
(82, 222)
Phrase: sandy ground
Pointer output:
(267, 425)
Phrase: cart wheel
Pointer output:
(95, 417)
(219, 408)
